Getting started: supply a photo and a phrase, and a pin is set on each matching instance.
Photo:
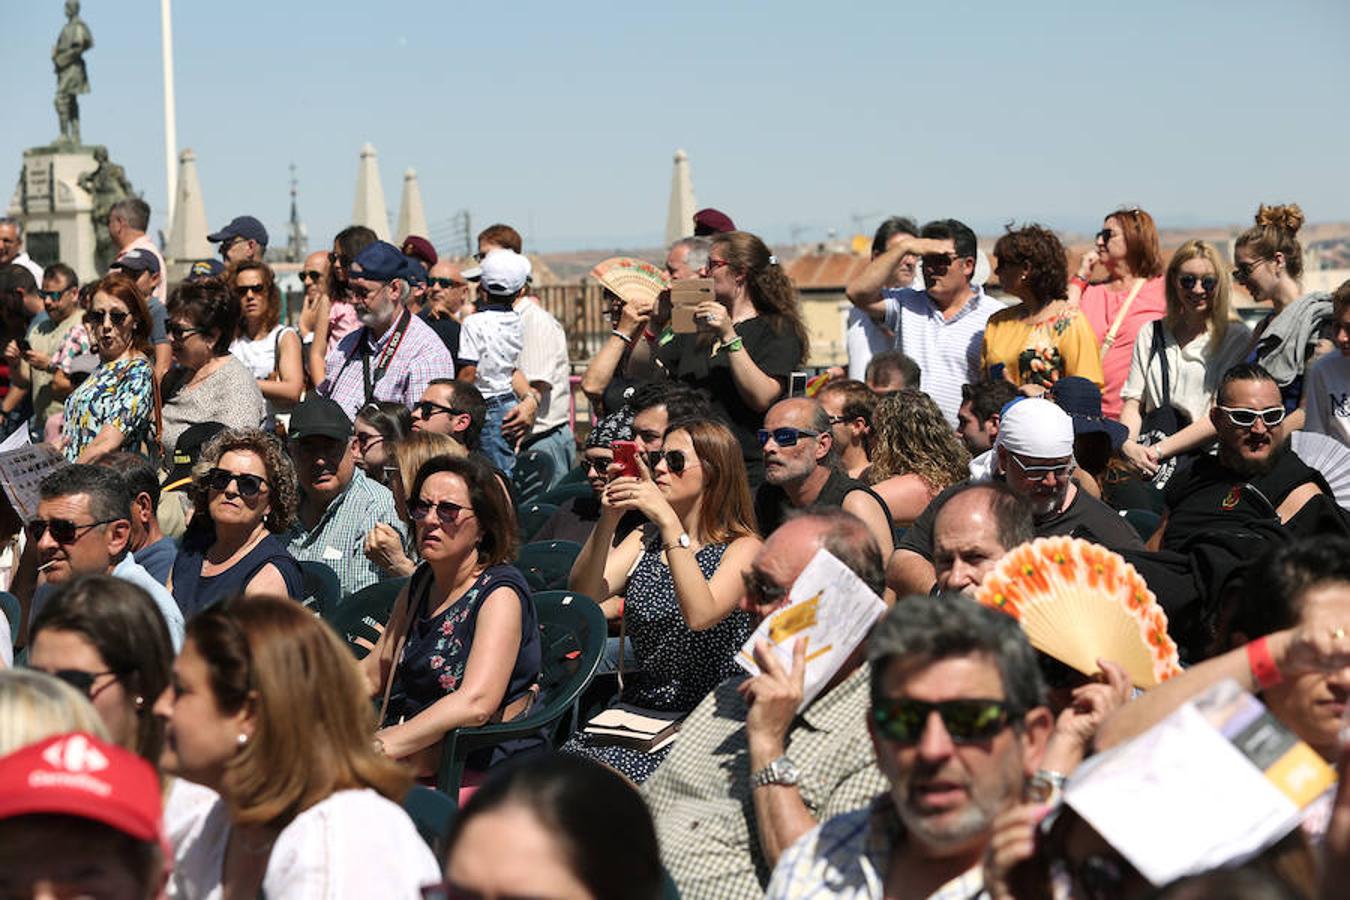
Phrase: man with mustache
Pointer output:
(959, 724)
(339, 505)
(1255, 475)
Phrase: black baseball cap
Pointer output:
(320, 416)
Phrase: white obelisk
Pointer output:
(369, 209)
(187, 233)
(680, 215)
(412, 218)
(171, 161)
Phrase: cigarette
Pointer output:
(47, 565)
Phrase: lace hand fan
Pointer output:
(631, 279)
(1328, 456)
(1079, 602)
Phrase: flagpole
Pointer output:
(170, 122)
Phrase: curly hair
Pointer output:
(770, 291)
(1276, 231)
(1037, 248)
(912, 436)
(272, 312)
(281, 479)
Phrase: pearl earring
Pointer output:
(243, 739)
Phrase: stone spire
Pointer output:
(297, 236)
(412, 219)
(369, 209)
(680, 216)
(187, 232)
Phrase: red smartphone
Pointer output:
(626, 455)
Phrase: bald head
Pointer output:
(811, 446)
(787, 551)
(446, 288)
(974, 529)
(315, 262)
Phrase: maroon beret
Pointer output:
(420, 248)
(712, 221)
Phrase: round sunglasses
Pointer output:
(248, 486)
(676, 461)
(447, 513)
(1207, 283)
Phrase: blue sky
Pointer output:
(562, 118)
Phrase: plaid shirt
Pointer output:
(420, 357)
(701, 796)
(847, 857)
(338, 540)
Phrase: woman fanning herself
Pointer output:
(462, 645)
(116, 407)
(1198, 343)
(270, 350)
(750, 339)
(266, 709)
(675, 583)
(916, 455)
(1269, 263)
(1044, 338)
(244, 490)
(1131, 296)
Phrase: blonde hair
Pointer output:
(912, 437)
(35, 705)
(1219, 303)
(420, 447)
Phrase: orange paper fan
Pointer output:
(1079, 602)
(632, 279)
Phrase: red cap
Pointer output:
(712, 221)
(420, 248)
(82, 776)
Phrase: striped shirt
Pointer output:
(543, 357)
(947, 350)
(420, 357)
(338, 539)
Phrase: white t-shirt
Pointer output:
(355, 844)
(1192, 374)
(1327, 391)
(491, 339)
(863, 339)
(543, 357)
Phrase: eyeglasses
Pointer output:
(445, 283)
(247, 485)
(1105, 235)
(84, 681)
(97, 317)
(840, 420)
(599, 464)
(63, 531)
(311, 275)
(338, 259)
(225, 247)
(675, 460)
(966, 721)
(1244, 270)
(937, 263)
(784, 437)
(1040, 473)
(1246, 418)
(179, 332)
(714, 264)
(366, 441)
(1188, 282)
(359, 291)
(761, 591)
(447, 513)
(52, 295)
(250, 289)
(425, 409)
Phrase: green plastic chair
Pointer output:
(1143, 521)
(432, 813)
(573, 475)
(530, 517)
(564, 492)
(532, 476)
(362, 614)
(573, 633)
(322, 589)
(546, 565)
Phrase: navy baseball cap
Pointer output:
(244, 227)
(413, 271)
(381, 261)
(137, 261)
(203, 269)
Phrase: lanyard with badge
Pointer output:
(368, 379)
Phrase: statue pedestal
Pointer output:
(54, 208)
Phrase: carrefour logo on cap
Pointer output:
(75, 755)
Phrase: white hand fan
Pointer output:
(1079, 602)
(1328, 456)
(631, 279)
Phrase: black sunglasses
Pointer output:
(311, 275)
(675, 460)
(359, 291)
(447, 513)
(179, 332)
(99, 316)
(425, 409)
(599, 465)
(966, 721)
(445, 282)
(938, 262)
(247, 485)
(1105, 235)
(250, 289)
(784, 437)
(339, 260)
(83, 681)
(63, 531)
(1188, 282)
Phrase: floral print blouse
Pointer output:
(119, 393)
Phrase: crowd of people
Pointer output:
(182, 715)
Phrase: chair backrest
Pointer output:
(561, 493)
(432, 813)
(573, 633)
(530, 517)
(572, 476)
(547, 564)
(356, 618)
(531, 476)
(323, 591)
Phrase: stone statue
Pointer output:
(106, 185)
(71, 77)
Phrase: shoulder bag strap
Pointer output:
(1160, 350)
(1110, 339)
(397, 658)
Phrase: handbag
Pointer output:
(1166, 420)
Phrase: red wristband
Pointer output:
(1264, 670)
(1080, 281)
(650, 335)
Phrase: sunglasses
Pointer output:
(966, 721)
(248, 486)
(1246, 418)
(445, 283)
(1105, 235)
(784, 437)
(99, 316)
(84, 681)
(425, 409)
(51, 295)
(366, 441)
(761, 591)
(714, 264)
(179, 332)
(339, 260)
(447, 513)
(359, 291)
(250, 289)
(63, 531)
(1188, 282)
(1040, 473)
(311, 275)
(225, 247)
(675, 460)
(598, 465)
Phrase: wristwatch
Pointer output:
(781, 771)
(681, 541)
